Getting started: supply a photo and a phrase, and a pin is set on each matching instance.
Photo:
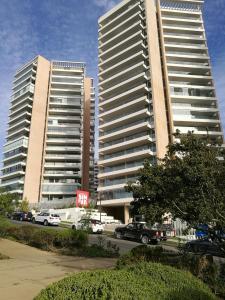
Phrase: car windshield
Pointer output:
(96, 222)
(147, 226)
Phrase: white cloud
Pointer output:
(106, 4)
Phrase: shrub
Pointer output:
(146, 281)
(43, 238)
(4, 226)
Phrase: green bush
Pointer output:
(43, 238)
(4, 226)
(145, 281)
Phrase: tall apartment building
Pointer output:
(49, 150)
(154, 77)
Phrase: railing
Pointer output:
(23, 142)
(59, 188)
(124, 127)
(28, 88)
(128, 151)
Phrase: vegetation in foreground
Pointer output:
(188, 184)
(144, 281)
(201, 266)
(66, 241)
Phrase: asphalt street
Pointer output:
(124, 245)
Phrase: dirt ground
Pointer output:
(29, 270)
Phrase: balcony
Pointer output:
(18, 173)
(18, 133)
(125, 86)
(62, 174)
(137, 56)
(176, 27)
(127, 157)
(27, 89)
(23, 109)
(117, 29)
(170, 19)
(21, 142)
(123, 75)
(201, 131)
(63, 141)
(196, 120)
(126, 118)
(16, 105)
(64, 112)
(65, 165)
(18, 156)
(25, 115)
(125, 131)
(62, 157)
(184, 36)
(127, 143)
(178, 78)
(121, 51)
(187, 54)
(135, 27)
(59, 188)
(63, 149)
(114, 21)
(128, 107)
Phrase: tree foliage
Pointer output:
(8, 201)
(189, 183)
(24, 205)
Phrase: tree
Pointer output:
(8, 201)
(189, 183)
(24, 205)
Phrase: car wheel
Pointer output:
(11, 218)
(145, 239)
(21, 219)
(33, 221)
(45, 223)
(73, 227)
(119, 235)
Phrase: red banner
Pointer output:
(82, 199)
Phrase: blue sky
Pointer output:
(68, 30)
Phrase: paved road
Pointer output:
(124, 245)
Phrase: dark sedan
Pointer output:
(205, 247)
(139, 232)
(20, 216)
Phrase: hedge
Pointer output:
(43, 238)
(66, 241)
(145, 281)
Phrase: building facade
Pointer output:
(154, 78)
(49, 150)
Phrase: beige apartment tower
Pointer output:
(49, 150)
(154, 78)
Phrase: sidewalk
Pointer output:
(29, 270)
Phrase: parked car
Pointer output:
(30, 216)
(138, 231)
(19, 215)
(204, 247)
(47, 219)
(92, 225)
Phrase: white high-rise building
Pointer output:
(154, 78)
(49, 150)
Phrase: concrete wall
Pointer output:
(37, 131)
(159, 106)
